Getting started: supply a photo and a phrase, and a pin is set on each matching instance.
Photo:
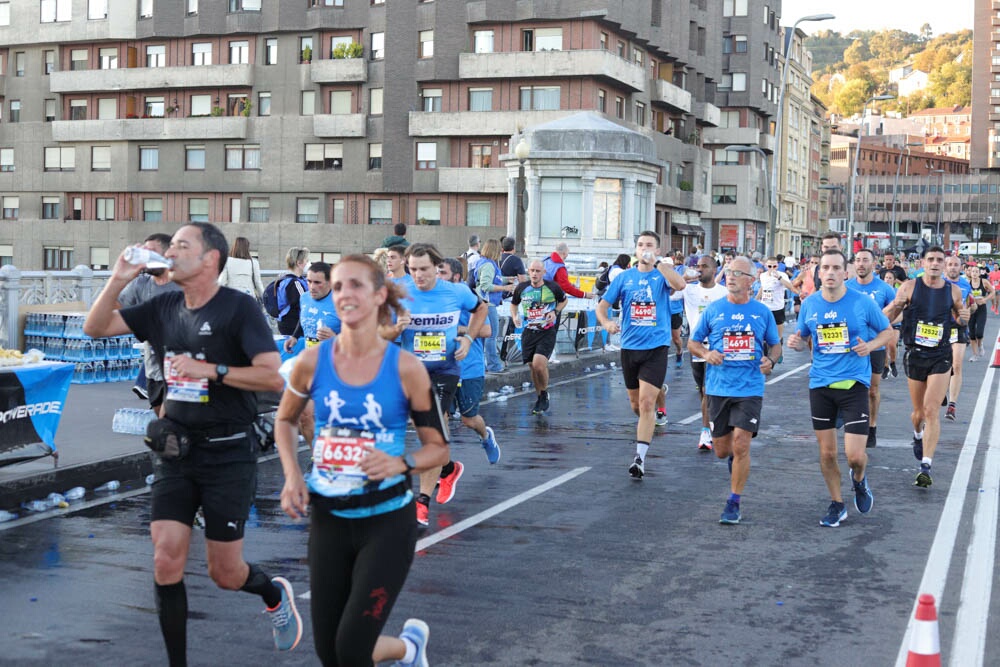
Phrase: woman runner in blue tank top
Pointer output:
(363, 528)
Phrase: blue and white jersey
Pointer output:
(313, 312)
(351, 418)
(645, 307)
(835, 327)
(432, 335)
(742, 333)
(474, 364)
(881, 292)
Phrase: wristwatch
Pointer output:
(221, 371)
(409, 463)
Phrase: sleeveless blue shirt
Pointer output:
(347, 415)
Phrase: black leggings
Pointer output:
(356, 568)
(977, 323)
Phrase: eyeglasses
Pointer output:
(736, 273)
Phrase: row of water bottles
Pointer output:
(114, 370)
(61, 500)
(132, 421)
(46, 324)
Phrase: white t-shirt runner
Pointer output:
(772, 292)
(696, 299)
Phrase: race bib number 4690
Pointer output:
(643, 314)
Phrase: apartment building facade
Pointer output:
(317, 122)
(984, 148)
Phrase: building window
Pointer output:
(152, 209)
(19, 63)
(724, 157)
(192, 7)
(306, 210)
(58, 258)
(194, 158)
(324, 157)
(50, 208)
(108, 58)
(739, 80)
(244, 5)
(201, 105)
(239, 52)
(643, 204)
(156, 56)
(481, 156)
(723, 194)
(15, 111)
(260, 209)
(78, 109)
(6, 252)
(637, 57)
(602, 102)
(429, 211)
(48, 62)
(6, 159)
(308, 102)
(735, 8)
(740, 43)
(480, 99)
(378, 45)
(100, 158)
(548, 39)
(154, 107)
(561, 207)
(305, 43)
(56, 10)
(426, 155)
(60, 158)
(11, 206)
(145, 9)
(539, 98)
(432, 99)
(343, 42)
(4, 12)
(380, 212)
(640, 113)
(242, 157)
(425, 47)
(271, 51)
(607, 208)
(341, 102)
(105, 208)
(149, 158)
(201, 54)
(374, 156)
(78, 59)
(375, 102)
(482, 41)
(338, 208)
(619, 107)
(263, 104)
(198, 210)
(477, 213)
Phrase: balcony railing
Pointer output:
(673, 97)
(493, 180)
(151, 129)
(339, 125)
(146, 78)
(477, 123)
(339, 70)
(540, 64)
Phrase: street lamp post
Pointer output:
(740, 148)
(895, 188)
(521, 153)
(773, 219)
(854, 169)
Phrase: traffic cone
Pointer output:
(925, 648)
(996, 355)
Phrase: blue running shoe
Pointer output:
(417, 632)
(491, 446)
(730, 515)
(863, 498)
(923, 477)
(836, 513)
(918, 448)
(285, 618)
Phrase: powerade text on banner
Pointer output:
(31, 403)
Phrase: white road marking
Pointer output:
(939, 556)
(475, 519)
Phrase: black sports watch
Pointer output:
(409, 463)
(221, 371)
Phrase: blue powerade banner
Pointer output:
(31, 403)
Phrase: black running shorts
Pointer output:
(779, 316)
(851, 404)
(676, 321)
(537, 342)
(918, 367)
(646, 365)
(698, 373)
(878, 361)
(446, 386)
(726, 413)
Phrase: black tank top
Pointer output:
(927, 321)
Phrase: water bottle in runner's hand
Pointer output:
(152, 260)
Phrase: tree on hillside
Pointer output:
(889, 46)
(951, 84)
(926, 33)
(857, 52)
(827, 48)
(851, 98)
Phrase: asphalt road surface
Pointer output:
(554, 556)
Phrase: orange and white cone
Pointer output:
(925, 647)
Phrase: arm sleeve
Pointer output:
(484, 278)
(562, 279)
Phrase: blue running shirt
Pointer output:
(432, 335)
(881, 292)
(741, 332)
(835, 327)
(474, 364)
(645, 306)
(313, 312)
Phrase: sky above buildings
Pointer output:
(868, 15)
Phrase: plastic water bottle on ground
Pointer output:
(150, 479)
(76, 493)
(492, 394)
(36, 506)
(525, 385)
(7, 516)
(57, 500)
(108, 487)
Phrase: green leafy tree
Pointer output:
(926, 33)
(851, 98)
(857, 52)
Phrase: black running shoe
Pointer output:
(885, 372)
(543, 402)
(923, 477)
(918, 448)
(637, 470)
(892, 370)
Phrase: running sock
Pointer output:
(641, 448)
(735, 497)
(171, 607)
(447, 469)
(926, 461)
(411, 651)
(260, 584)
(871, 430)
(918, 436)
(424, 499)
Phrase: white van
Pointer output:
(974, 249)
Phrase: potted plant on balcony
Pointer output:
(247, 107)
(352, 50)
(218, 111)
(307, 54)
(686, 186)
(169, 110)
